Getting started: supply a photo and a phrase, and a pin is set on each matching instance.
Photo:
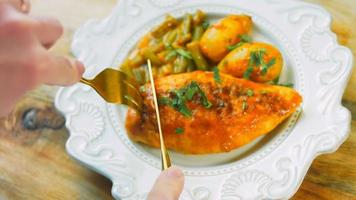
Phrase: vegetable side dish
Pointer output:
(217, 89)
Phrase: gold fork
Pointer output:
(116, 87)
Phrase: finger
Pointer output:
(20, 5)
(168, 186)
(48, 30)
(26, 6)
(58, 70)
(15, 3)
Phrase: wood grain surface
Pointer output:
(34, 164)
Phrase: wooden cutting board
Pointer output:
(34, 164)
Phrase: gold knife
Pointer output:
(166, 162)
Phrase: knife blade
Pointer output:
(166, 162)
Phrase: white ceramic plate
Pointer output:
(272, 167)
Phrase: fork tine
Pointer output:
(137, 95)
(130, 82)
(131, 94)
(116, 87)
(132, 103)
(134, 96)
(128, 91)
(128, 79)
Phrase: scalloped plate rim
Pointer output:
(337, 107)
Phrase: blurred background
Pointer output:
(34, 163)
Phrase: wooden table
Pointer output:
(34, 164)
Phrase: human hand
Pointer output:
(168, 186)
(20, 5)
(25, 61)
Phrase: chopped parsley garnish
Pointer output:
(170, 55)
(174, 52)
(232, 47)
(184, 53)
(250, 93)
(256, 60)
(243, 39)
(244, 105)
(179, 130)
(205, 25)
(197, 90)
(275, 81)
(265, 67)
(165, 101)
(180, 98)
(182, 108)
(190, 92)
(206, 103)
(216, 75)
(290, 85)
(248, 72)
(257, 57)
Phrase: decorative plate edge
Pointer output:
(337, 103)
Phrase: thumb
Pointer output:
(168, 186)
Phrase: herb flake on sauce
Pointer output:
(180, 97)
(179, 130)
(217, 75)
(256, 61)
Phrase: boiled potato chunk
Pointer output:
(257, 61)
(216, 39)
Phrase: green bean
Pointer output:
(135, 59)
(191, 66)
(184, 30)
(187, 24)
(163, 28)
(170, 37)
(180, 65)
(169, 55)
(148, 53)
(199, 17)
(125, 67)
(198, 33)
(176, 43)
(182, 40)
(157, 47)
(167, 38)
(140, 75)
(198, 58)
(147, 74)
